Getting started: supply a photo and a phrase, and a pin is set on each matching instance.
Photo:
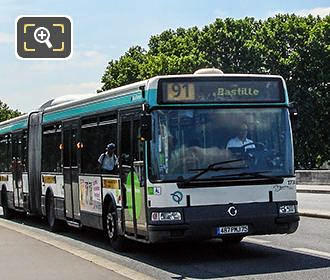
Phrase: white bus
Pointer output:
(200, 156)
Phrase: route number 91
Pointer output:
(180, 92)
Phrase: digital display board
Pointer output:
(220, 90)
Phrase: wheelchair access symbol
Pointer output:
(43, 37)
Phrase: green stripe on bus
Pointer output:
(137, 195)
(13, 127)
(135, 97)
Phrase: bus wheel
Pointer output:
(232, 239)
(54, 224)
(7, 212)
(116, 241)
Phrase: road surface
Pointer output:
(303, 255)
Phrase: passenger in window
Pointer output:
(109, 161)
(241, 139)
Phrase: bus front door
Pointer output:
(70, 171)
(17, 169)
(132, 166)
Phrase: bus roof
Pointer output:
(66, 106)
(127, 89)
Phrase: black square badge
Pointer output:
(43, 37)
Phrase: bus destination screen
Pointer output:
(233, 90)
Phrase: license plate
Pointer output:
(232, 230)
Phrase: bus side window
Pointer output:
(3, 154)
(137, 143)
(51, 153)
(108, 134)
(24, 151)
(91, 149)
(96, 135)
(125, 143)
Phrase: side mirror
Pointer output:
(293, 117)
(146, 124)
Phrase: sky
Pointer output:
(104, 30)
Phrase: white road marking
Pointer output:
(103, 262)
(313, 252)
(256, 240)
(303, 250)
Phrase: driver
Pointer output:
(241, 139)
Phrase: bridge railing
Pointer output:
(313, 177)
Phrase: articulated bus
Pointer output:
(200, 156)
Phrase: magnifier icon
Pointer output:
(41, 35)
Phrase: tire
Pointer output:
(231, 240)
(7, 212)
(117, 242)
(54, 224)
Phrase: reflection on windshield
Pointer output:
(187, 140)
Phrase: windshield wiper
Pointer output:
(256, 174)
(211, 167)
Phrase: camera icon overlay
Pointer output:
(43, 37)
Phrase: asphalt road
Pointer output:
(302, 255)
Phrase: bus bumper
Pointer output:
(202, 222)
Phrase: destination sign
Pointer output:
(219, 90)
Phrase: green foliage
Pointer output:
(6, 113)
(125, 70)
(294, 47)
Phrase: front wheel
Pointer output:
(116, 241)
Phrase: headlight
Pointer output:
(165, 216)
(287, 209)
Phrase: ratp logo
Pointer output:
(177, 196)
(43, 37)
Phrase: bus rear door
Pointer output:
(17, 168)
(70, 170)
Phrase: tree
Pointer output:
(294, 47)
(125, 70)
(6, 113)
(297, 48)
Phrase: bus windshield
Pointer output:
(249, 141)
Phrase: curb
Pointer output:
(313, 191)
(74, 249)
(314, 215)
